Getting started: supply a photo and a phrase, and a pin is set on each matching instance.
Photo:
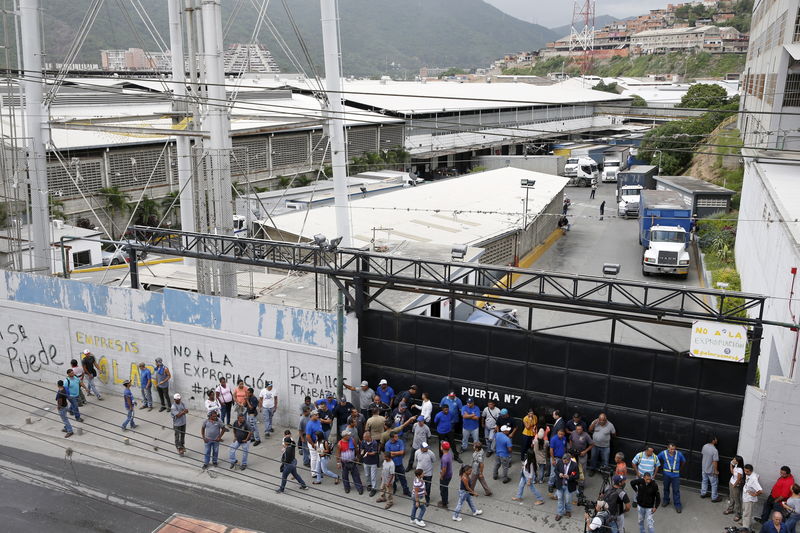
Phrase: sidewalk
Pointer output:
(31, 423)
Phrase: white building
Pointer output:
(694, 39)
(768, 235)
(79, 246)
(245, 58)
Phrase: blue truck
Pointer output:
(630, 184)
(665, 223)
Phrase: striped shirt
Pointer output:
(419, 487)
(647, 465)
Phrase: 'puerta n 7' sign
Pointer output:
(714, 340)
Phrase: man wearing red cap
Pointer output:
(445, 474)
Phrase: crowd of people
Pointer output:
(383, 439)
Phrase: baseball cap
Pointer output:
(470, 400)
(503, 411)
(445, 445)
(452, 394)
(86, 352)
(126, 382)
(424, 445)
(383, 382)
(177, 396)
(365, 383)
(505, 428)
(159, 360)
(618, 479)
(329, 394)
(314, 412)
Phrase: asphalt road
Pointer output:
(589, 244)
(42, 493)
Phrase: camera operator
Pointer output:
(618, 504)
(600, 520)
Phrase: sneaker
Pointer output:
(278, 491)
(304, 487)
(420, 523)
(124, 428)
(256, 443)
(162, 409)
(215, 463)
(205, 467)
(704, 495)
(716, 500)
(478, 512)
(372, 492)
(79, 419)
(413, 522)
(558, 517)
(68, 435)
(457, 519)
(233, 464)
(243, 467)
(678, 510)
(134, 427)
(64, 430)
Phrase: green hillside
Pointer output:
(375, 33)
(701, 65)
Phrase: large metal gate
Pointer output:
(651, 396)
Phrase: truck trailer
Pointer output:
(630, 184)
(664, 230)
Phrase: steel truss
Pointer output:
(370, 274)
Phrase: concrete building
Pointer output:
(768, 234)
(705, 198)
(692, 39)
(134, 59)
(78, 246)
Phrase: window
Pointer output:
(80, 259)
(797, 27)
(712, 202)
(791, 95)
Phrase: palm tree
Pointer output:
(171, 204)
(56, 209)
(145, 212)
(115, 202)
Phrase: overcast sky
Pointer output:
(552, 13)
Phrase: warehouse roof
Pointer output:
(694, 185)
(470, 209)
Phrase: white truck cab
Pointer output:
(610, 169)
(628, 200)
(582, 171)
(667, 251)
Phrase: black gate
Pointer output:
(651, 396)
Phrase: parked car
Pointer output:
(491, 316)
(115, 258)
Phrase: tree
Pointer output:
(144, 212)
(171, 204)
(114, 202)
(453, 72)
(704, 96)
(57, 209)
(638, 101)
(84, 223)
(610, 88)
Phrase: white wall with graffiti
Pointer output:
(45, 322)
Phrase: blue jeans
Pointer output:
(490, 433)
(63, 414)
(290, 469)
(675, 483)
(212, 452)
(617, 525)
(322, 468)
(73, 406)
(90, 386)
(245, 446)
(600, 455)
(564, 500)
(791, 522)
(532, 487)
(129, 420)
(540, 471)
(147, 396)
(467, 434)
(225, 412)
(464, 496)
(551, 481)
(713, 480)
(266, 414)
(252, 424)
(646, 523)
(421, 506)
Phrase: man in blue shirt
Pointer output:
(146, 382)
(503, 447)
(73, 387)
(455, 405)
(397, 448)
(444, 429)
(672, 461)
(558, 447)
(385, 392)
(127, 397)
(325, 417)
(312, 427)
(472, 419)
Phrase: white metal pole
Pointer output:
(333, 85)
(37, 131)
(180, 106)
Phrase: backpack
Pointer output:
(612, 497)
(605, 517)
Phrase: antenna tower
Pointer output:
(581, 39)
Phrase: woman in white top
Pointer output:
(324, 450)
(427, 408)
(737, 483)
(212, 404)
(225, 397)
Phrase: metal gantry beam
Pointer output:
(365, 270)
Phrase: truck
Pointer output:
(664, 231)
(581, 171)
(630, 184)
(615, 159)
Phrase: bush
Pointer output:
(731, 277)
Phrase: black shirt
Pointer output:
(647, 495)
(617, 499)
(241, 432)
(89, 365)
(383, 409)
(61, 398)
(288, 451)
(252, 405)
(342, 413)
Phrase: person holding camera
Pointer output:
(618, 504)
(599, 520)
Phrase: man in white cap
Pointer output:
(90, 372)
(269, 405)
(422, 433)
(424, 458)
(179, 412)
(385, 392)
(503, 449)
(362, 397)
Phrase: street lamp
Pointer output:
(660, 153)
(527, 185)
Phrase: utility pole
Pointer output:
(218, 161)
(333, 85)
(37, 131)
(180, 108)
